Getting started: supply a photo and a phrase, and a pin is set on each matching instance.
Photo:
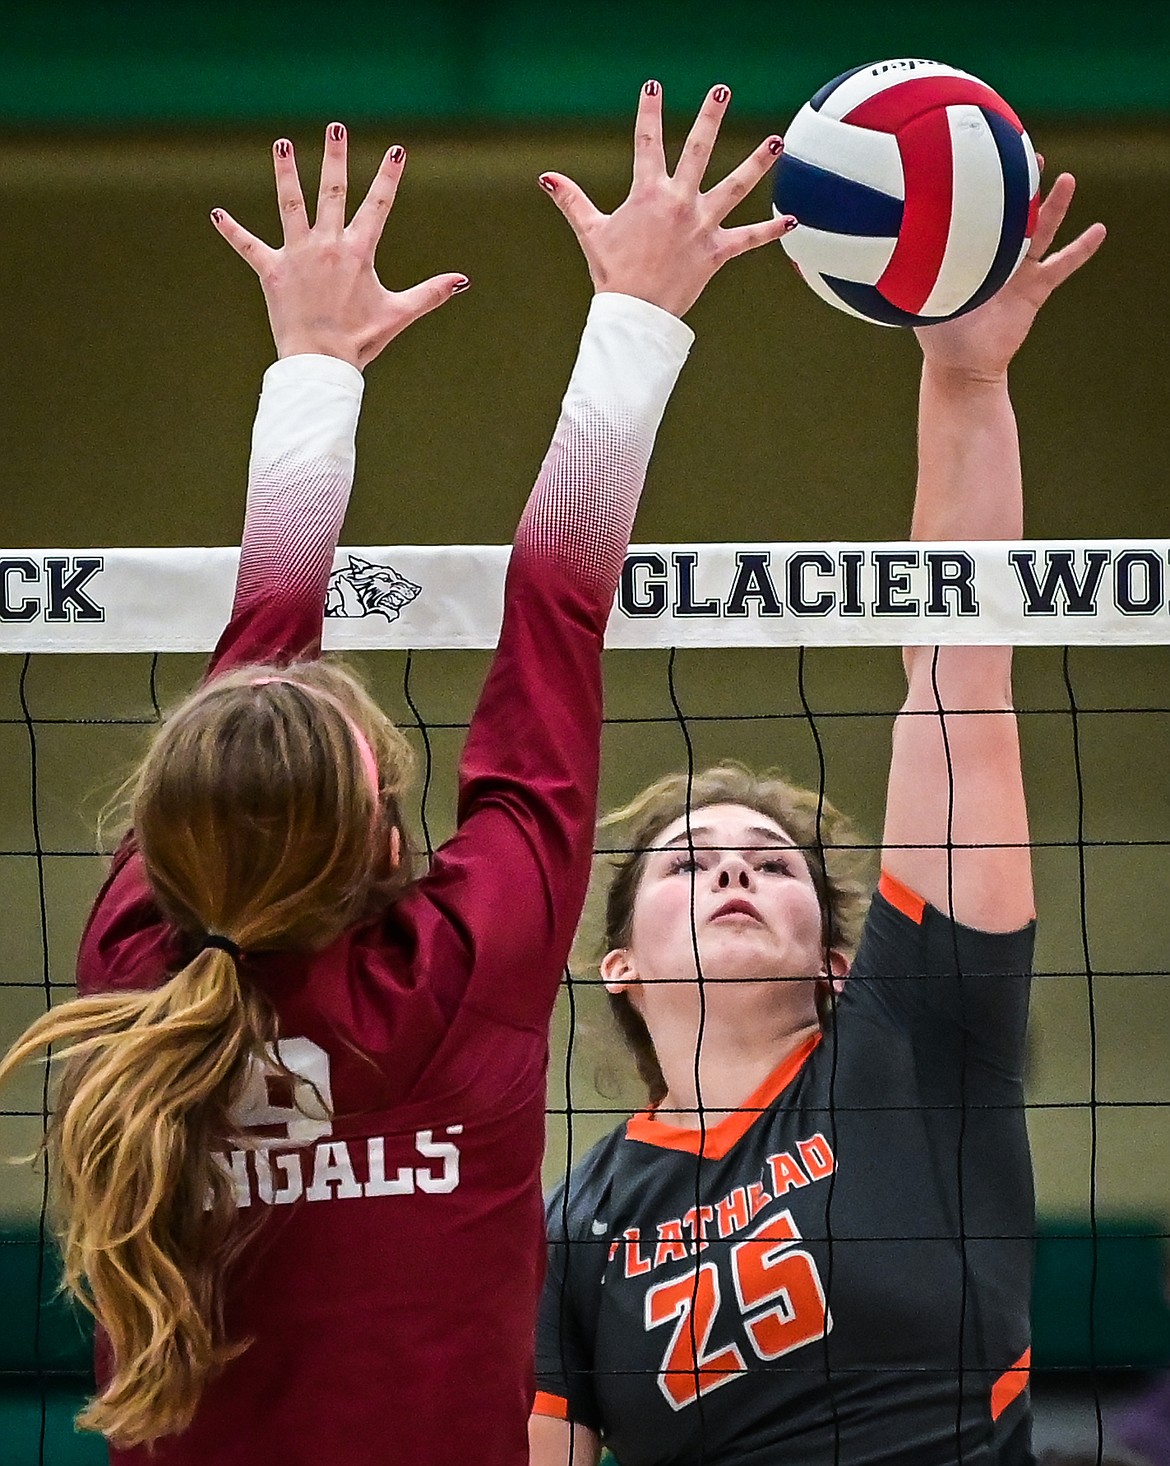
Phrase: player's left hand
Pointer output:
(321, 288)
(980, 344)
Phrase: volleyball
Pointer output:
(916, 188)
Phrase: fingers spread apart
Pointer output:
(290, 200)
(696, 152)
(331, 194)
(370, 219)
(649, 157)
(752, 236)
(572, 200)
(721, 199)
(1056, 268)
(258, 254)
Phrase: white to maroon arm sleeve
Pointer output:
(299, 479)
(517, 868)
(299, 476)
(580, 513)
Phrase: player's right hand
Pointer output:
(322, 291)
(666, 240)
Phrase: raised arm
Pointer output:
(956, 829)
(528, 787)
(330, 318)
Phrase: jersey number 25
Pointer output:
(780, 1299)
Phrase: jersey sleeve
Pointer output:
(961, 993)
(511, 882)
(564, 1360)
(299, 480)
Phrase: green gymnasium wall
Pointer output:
(195, 62)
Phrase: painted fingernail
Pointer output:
(790, 221)
(217, 216)
(336, 132)
(651, 88)
(397, 153)
(721, 94)
(460, 286)
(550, 184)
(283, 147)
(775, 146)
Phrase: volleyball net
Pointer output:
(769, 653)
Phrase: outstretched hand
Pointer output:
(666, 240)
(981, 343)
(321, 288)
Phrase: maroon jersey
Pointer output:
(391, 1291)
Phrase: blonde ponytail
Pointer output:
(257, 818)
(147, 1087)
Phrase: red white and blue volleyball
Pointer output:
(916, 190)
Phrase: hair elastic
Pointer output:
(221, 944)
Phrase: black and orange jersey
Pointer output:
(839, 1273)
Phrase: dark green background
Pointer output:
(69, 61)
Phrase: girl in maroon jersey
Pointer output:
(279, 1021)
(815, 1245)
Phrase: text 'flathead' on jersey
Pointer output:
(683, 1237)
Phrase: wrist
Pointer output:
(672, 302)
(312, 346)
(965, 376)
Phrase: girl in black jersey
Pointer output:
(815, 1246)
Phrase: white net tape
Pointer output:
(1026, 592)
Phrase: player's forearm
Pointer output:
(299, 480)
(578, 518)
(969, 483)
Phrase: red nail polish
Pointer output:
(397, 154)
(791, 221)
(336, 132)
(776, 146)
(283, 148)
(651, 88)
(217, 216)
(460, 286)
(547, 183)
(721, 94)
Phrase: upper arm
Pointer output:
(956, 829)
(513, 878)
(960, 994)
(556, 1442)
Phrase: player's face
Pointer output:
(735, 887)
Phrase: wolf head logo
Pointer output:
(367, 589)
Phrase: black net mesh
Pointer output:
(1094, 726)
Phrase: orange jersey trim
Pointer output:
(719, 1139)
(552, 1405)
(902, 898)
(1011, 1384)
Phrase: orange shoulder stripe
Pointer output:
(546, 1404)
(902, 898)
